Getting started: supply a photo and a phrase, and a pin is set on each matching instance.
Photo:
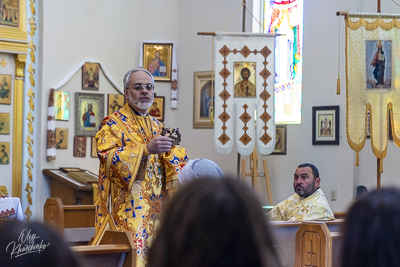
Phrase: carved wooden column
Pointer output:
(20, 61)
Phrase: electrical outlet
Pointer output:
(333, 195)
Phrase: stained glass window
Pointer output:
(285, 18)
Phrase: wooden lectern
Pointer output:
(70, 189)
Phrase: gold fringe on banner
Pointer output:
(393, 23)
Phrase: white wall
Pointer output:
(111, 32)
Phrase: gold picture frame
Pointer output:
(157, 59)
(9, 13)
(80, 146)
(4, 152)
(90, 76)
(244, 79)
(5, 123)
(158, 107)
(5, 89)
(61, 105)
(89, 113)
(203, 103)
(61, 138)
(280, 140)
(114, 102)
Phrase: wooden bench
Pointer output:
(115, 249)
(74, 222)
(285, 237)
(340, 214)
(316, 245)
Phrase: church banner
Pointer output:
(372, 90)
(244, 92)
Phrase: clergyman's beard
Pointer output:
(306, 191)
(142, 105)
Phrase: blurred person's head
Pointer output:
(213, 222)
(361, 191)
(371, 232)
(199, 168)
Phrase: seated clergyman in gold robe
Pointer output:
(309, 202)
(138, 166)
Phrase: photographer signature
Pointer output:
(27, 243)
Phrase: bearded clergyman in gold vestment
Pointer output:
(309, 202)
(138, 166)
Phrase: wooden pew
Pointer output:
(340, 214)
(74, 222)
(285, 237)
(314, 245)
(115, 249)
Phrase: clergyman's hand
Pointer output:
(159, 144)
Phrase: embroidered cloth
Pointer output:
(372, 91)
(244, 93)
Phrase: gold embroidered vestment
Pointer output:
(132, 182)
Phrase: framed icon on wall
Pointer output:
(157, 59)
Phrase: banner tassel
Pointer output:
(380, 166)
(357, 159)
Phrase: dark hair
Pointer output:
(213, 222)
(314, 169)
(245, 69)
(54, 251)
(361, 191)
(371, 232)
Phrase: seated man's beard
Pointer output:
(305, 191)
